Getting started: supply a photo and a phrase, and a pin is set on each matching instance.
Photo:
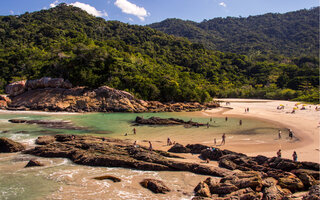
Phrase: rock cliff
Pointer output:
(55, 94)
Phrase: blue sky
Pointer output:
(149, 11)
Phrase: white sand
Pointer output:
(304, 123)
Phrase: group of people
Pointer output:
(246, 110)
(290, 134)
(294, 155)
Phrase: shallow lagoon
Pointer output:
(61, 179)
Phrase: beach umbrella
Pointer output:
(295, 108)
(281, 105)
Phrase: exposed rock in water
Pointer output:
(49, 124)
(162, 121)
(112, 178)
(34, 163)
(155, 186)
(8, 146)
(56, 94)
(98, 151)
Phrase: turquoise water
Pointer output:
(118, 124)
(60, 179)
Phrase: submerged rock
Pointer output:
(112, 178)
(34, 163)
(49, 124)
(8, 146)
(155, 186)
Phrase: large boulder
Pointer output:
(211, 154)
(16, 88)
(47, 139)
(197, 148)
(202, 189)
(179, 148)
(155, 186)
(292, 183)
(228, 164)
(8, 146)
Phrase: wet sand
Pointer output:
(304, 123)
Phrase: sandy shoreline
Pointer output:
(304, 124)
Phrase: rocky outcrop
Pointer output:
(108, 177)
(162, 121)
(19, 87)
(179, 148)
(261, 177)
(34, 163)
(16, 88)
(155, 186)
(4, 101)
(55, 94)
(8, 146)
(47, 139)
(314, 193)
(49, 124)
(107, 152)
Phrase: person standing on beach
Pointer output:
(279, 153)
(215, 141)
(210, 119)
(208, 125)
(226, 119)
(294, 156)
(169, 142)
(134, 131)
(279, 134)
(223, 139)
(290, 134)
(240, 122)
(247, 109)
(150, 146)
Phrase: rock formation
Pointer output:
(100, 151)
(155, 186)
(34, 163)
(112, 178)
(161, 121)
(49, 124)
(55, 94)
(9, 146)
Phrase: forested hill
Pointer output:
(67, 42)
(291, 34)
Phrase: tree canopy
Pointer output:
(67, 42)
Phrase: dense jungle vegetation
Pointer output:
(291, 34)
(67, 42)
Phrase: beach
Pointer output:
(304, 124)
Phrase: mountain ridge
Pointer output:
(66, 42)
(268, 33)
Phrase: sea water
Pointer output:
(61, 179)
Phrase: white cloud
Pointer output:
(132, 9)
(11, 12)
(90, 9)
(130, 19)
(86, 7)
(54, 4)
(223, 4)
